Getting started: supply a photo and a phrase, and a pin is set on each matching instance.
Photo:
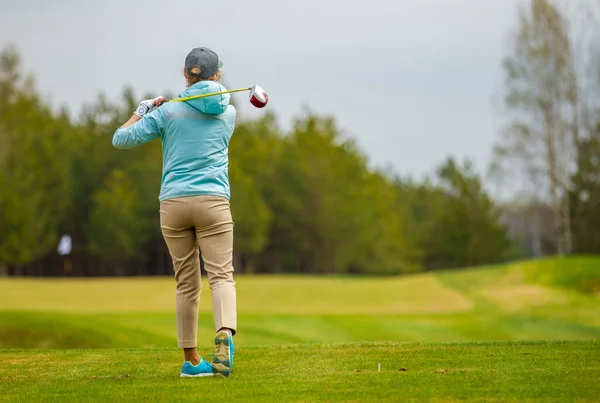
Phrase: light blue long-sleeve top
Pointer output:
(195, 138)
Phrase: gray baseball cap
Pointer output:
(202, 62)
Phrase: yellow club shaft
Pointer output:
(208, 95)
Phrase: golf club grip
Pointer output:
(208, 95)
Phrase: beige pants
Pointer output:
(188, 223)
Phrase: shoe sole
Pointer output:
(194, 376)
(221, 363)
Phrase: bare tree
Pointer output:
(542, 97)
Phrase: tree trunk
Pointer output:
(553, 181)
(564, 185)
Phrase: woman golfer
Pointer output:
(194, 202)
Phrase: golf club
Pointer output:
(258, 96)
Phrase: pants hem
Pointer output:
(186, 344)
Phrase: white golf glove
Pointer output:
(148, 105)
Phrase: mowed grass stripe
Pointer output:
(299, 295)
(148, 330)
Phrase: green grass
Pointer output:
(475, 371)
(582, 274)
(65, 339)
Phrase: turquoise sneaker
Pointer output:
(223, 361)
(204, 368)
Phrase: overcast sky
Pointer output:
(412, 80)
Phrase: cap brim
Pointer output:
(220, 64)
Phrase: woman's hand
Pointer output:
(158, 101)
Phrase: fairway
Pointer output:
(546, 300)
(308, 338)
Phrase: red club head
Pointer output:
(258, 97)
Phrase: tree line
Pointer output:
(306, 199)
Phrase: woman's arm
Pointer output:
(144, 107)
(134, 118)
(149, 128)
